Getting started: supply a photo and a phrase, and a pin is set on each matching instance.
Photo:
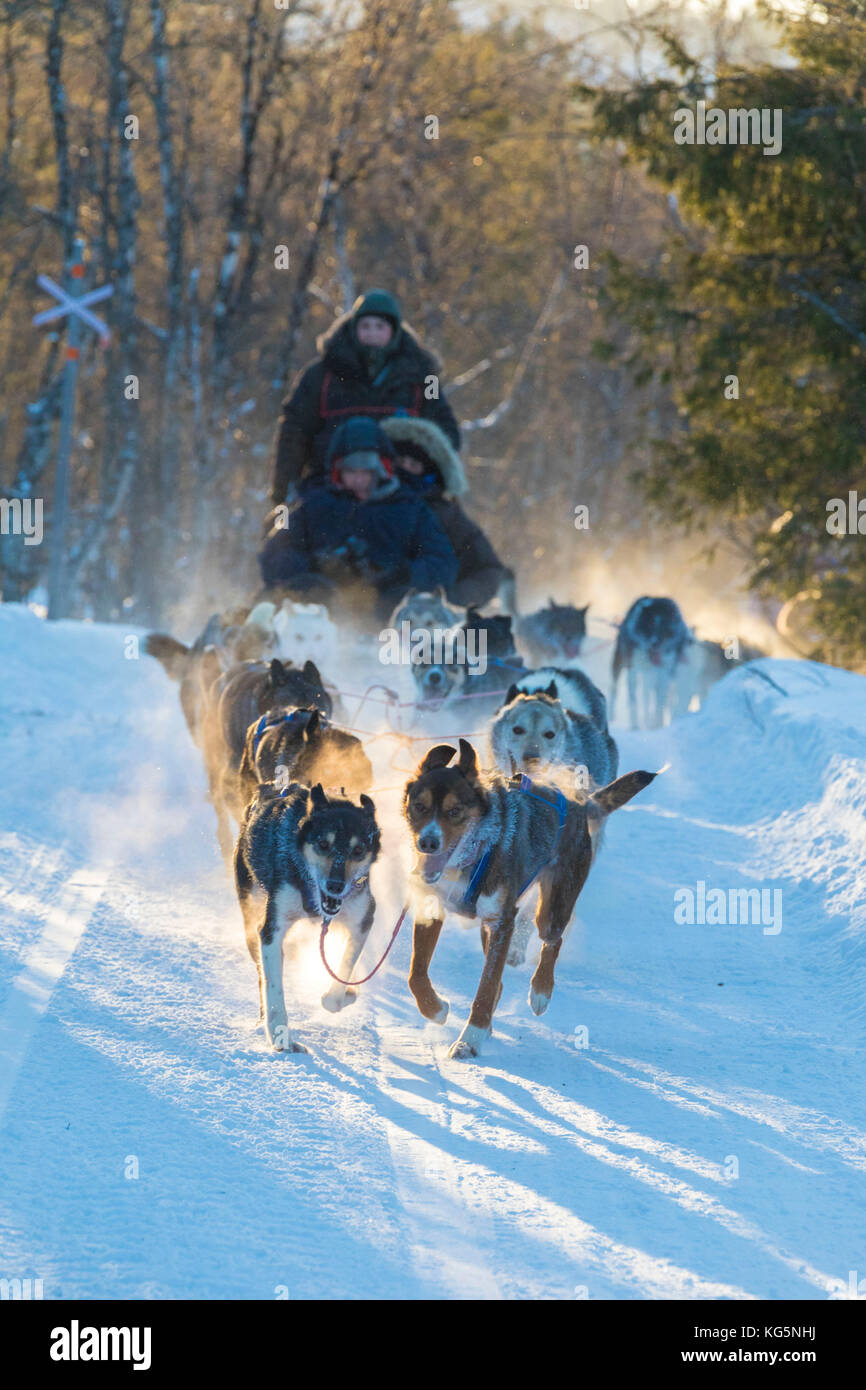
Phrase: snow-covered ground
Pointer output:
(687, 1120)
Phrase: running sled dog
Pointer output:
(303, 854)
(238, 699)
(555, 718)
(481, 842)
(553, 634)
(298, 745)
(425, 611)
(650, 645)
(535, 733)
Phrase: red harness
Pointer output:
(330, 414)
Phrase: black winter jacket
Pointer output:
(335, 387)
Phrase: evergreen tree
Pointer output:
(755, 315)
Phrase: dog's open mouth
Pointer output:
(433, 865)
(433, 694)
(330, 905)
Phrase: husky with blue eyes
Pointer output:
(303, 854)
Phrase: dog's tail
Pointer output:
(168, 651)
(616, 794)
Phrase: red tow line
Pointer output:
(338, 978)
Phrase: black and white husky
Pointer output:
(652, 641)
(574, 688)
(303, 854)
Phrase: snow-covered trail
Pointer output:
(687, 1120)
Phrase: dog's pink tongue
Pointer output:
(432, 865)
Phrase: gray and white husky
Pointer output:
(652, 641)
(482, 678)
(534, 733)
(556, 632)
(580, 754)
(425, 610)
(303, 854)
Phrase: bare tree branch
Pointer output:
(487, 422)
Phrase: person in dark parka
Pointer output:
(370, 364)
(361, 530)
(427, 463)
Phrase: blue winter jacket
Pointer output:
(394, 541)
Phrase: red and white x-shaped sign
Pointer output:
(69, 305)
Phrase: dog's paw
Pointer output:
(538, 1000)
(430, 1006)
(437, 1012)
(337, 999)
(468, 1044)
(441, 1013)
(281, 1039)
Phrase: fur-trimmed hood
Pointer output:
(409, 429)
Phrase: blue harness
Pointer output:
(271, 721)
(510, 666)
(476, 878)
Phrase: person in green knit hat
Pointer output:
(370, 363)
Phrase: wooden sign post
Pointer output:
(72, 305)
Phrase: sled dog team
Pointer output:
(297, 784)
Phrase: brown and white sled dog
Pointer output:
(303, 854)
(481, 842)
